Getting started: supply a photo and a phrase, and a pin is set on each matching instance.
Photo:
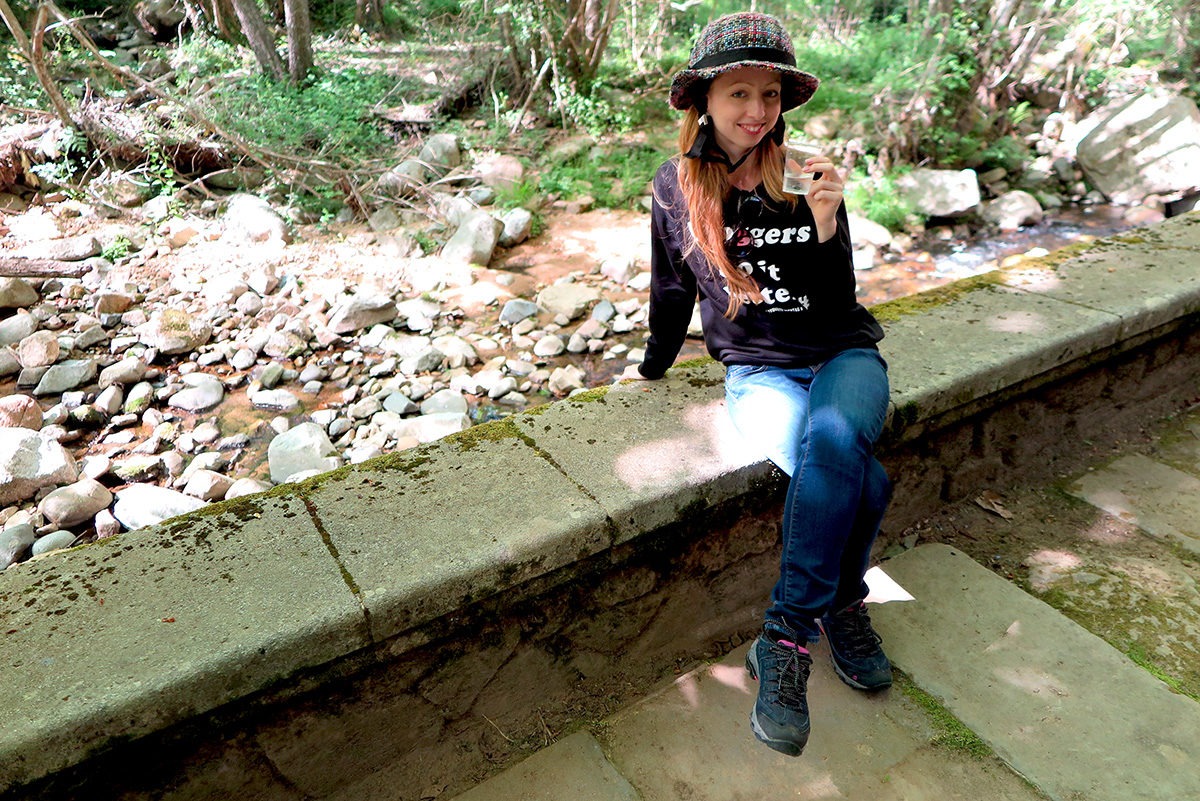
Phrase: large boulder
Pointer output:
(1013, 210)
(30, 460)
(301, 449)
(474, 241)
(940, 193)
(1148, 145)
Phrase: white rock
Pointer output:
(207, 485)
(303, 448)
(30, 460)
(70, 505)
(141, 505)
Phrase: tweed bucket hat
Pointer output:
(740, 40)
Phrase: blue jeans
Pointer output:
(819, 425)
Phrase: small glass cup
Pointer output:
(796, 178)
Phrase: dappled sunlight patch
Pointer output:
(709, 447)
(1034, 682)
(1048, 566)
(1032, 279)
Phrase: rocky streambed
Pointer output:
(221, 352)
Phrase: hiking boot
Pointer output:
(780, 715)
(854, 646)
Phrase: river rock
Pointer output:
(15, 539)
(474, 240)
(441, 153)
(71, 248)
(302, 448)
(16, 293)
(207, 485)
(566, 379)
(940, 193)
(278, 399)
(246, 486)
(54, 541)
(66, 375)
(73, 504)
(106, 525)
(203, 392)
(444, 401)
(549, 345)
(868, 232)
(20, 411)
(499, 171)
(571, 300)
(173, 331)
(30, 460)
(1146, 145)
(361, 311)
(17, 327)
(1012, 210)
(620, 270)
(140, 505)
(402, 179)
(430, 427)
(516, 310)
(517, 224)
(39, 349)
(129, 370)
(249, 219)
(139, 398)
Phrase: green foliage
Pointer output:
(328, 118)
(68, 147)
(204, 56)
(1008, 152)
(878, 200)
(596, 115)
(615, 179)
(117, 249)
(18, 86)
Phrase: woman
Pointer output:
(804, 379)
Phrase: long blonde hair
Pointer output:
(705, 186)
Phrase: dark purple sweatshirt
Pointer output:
(809, 311)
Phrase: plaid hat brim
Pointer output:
(798, 86)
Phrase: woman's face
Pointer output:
(744, 106)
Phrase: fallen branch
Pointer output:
(11, 267)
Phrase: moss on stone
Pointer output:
(892, 310)
(492, 431)
(950, 732)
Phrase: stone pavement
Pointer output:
(1050, 709)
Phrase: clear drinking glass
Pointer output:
(796, 179)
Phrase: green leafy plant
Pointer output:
(117, 249)
(614, 178)
(68, 146)
(879, 200)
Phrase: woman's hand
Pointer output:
(825, 196)
(630, 373)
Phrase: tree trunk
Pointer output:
(42, 268)
(368, 14)
(14, 27)
(254, 26)
(299, 33)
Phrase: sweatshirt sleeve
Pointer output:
(672, 284)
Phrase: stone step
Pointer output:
(692, 740)
(1058, 704)
(1157, 498)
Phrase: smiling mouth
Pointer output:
(753, 129)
